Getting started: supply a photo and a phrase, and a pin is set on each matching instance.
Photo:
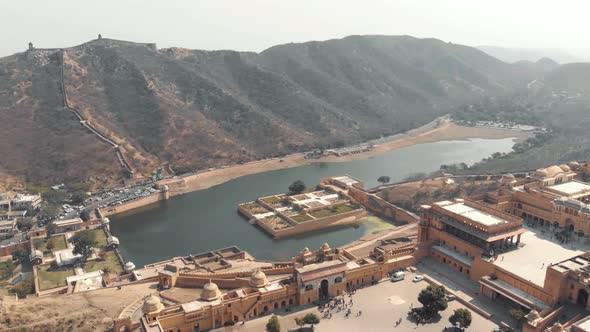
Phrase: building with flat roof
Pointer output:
(7, 228)
(26, 202)
(525, 244)
(67, 225)
(66, 257)
(13, 215)
(250, 289)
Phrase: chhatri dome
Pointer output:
(210, 292)
(152, 304)
(325, 246)
(305, 251)
(258, 279)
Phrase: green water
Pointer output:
(208, 219)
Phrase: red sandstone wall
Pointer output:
(141, 202)
(378, 205)
(316, 224)
(5, 251)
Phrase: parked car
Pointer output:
(418, 278)
(398, 276)
(451, 297)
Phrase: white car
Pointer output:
(418, 278)
(398, 276)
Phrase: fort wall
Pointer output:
(303, 227)
(380, 206)
(134, 204)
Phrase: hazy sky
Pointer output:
(254, 25)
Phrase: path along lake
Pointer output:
(208, 219)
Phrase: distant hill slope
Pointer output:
(512, 55)
(197, 109)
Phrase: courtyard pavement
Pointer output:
(381, 306)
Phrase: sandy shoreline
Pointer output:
(444, 132)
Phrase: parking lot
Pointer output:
(381, 306)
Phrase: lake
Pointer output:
(208, 219)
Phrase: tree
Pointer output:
(518, 316)
(434, 299)
(50, 229)
(311, 319)
(54, 196)
(50, 245)
(24, 225)
(85, 214)
(20, 255)
(383, 179)
(83, 244)
(48, 210)
(300, 322)
(461, 318)
(297, 187)
(24, 288)
(6, 269)
(273, 324)
(78, 197)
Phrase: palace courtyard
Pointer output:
(381, 306)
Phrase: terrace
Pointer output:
(332, 211)
(275, 222)
(285, 213)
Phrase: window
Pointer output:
(338, 280)
(308, 287)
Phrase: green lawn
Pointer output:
(6, 268)
(331, 211)
(99, 236)
(59, 243)
(52, 277)
(111, 261)
(302, 217)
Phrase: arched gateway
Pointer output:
(324, 290)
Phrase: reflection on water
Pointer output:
(208, 219)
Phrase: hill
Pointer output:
(512, 55)
(194, 109)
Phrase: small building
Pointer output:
(67, 225)
(26, 202)
(16, 215)
(112, 242)
(36, 257)
(343, 181)
(5, 203)
(66, 257)
(87, 281)
(7, 228)
(129, 266)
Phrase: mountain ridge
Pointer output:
(195, 109)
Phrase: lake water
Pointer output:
(208, 219)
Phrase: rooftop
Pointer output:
(320, 270)
(67, 222)
(584, 324)
(346, 179)
(570, 188)
(538, 251)
(472, 213)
